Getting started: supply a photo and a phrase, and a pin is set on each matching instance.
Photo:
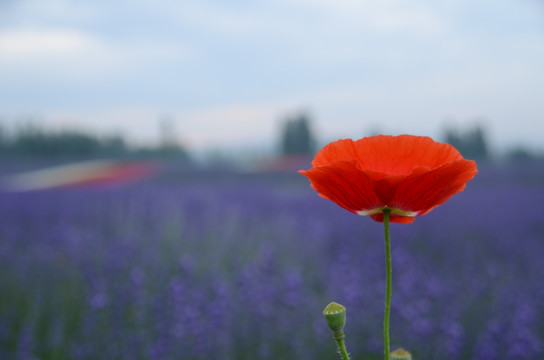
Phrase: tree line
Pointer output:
(296, 137)
(33, 141)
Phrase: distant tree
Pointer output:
(520, 154)
(113, 145)
(33, 141)
(471, 144)
(172, 151)
(2, 140)
(169, 146)
(297, 137)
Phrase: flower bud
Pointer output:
(401, 354)
(335, 314)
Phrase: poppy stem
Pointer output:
(386, 350)
(342, 347)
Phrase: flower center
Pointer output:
(395, 211)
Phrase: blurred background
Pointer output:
(223, 75)
(150, 206)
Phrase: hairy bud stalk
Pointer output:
(335, 315)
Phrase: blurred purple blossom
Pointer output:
(233, 266)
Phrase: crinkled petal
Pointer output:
(425, 189)
(401, 154)
(389, 154)
(343, 183)
(340, 150)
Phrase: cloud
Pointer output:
(53, 54)
(75, 55)
(28, 44)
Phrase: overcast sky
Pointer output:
(229, 71)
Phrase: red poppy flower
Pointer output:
(410, 175)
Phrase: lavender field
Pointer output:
(219, 265)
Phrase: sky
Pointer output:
(228, 73)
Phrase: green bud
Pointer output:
(335, 314)
(401, 354)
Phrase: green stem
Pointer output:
(388, 283)
(342, 347)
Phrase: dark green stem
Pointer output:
(388, 283)
(342, 347)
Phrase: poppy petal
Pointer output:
(401, 154)
(425, 189)
(386, 187)
(344, 184)
(343, 149)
